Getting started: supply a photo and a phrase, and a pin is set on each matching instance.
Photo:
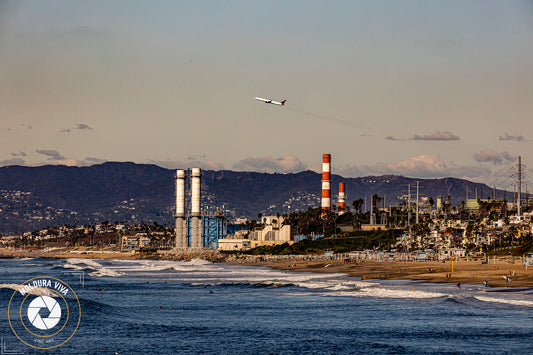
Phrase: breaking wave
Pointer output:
(37, 292)
(201, 273)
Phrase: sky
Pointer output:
(423, 89)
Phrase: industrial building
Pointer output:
(270, 232)
(139, 240)
(273, 232)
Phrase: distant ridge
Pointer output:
(53, 195)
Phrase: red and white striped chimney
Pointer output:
(326, 182)
(342, 197)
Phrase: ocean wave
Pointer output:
(256, 277)
(36, 292)
(375, 293)
(113, 268)
(243, 284)
(127, 266)
(509, 301)
(98, 269)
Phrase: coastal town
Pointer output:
(484, 229)
(418, 229)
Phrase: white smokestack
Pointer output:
(195, 191)
(180, 193)
(181, 233)
(196, 221)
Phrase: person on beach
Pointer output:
(458, 285)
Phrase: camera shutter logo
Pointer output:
(44, 302)
(44, 312)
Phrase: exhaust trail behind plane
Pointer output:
(330, 119)
(316, 115)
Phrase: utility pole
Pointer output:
(417, 202)
(519, 186)
(409, 205)
(372, 210)
(527, 200)
(514, 194)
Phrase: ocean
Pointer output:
(168, 307)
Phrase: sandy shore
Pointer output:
(468, 272)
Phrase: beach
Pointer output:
(508, 272)
(467, 272)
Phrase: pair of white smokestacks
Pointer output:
(196, 218)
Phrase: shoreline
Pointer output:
(467, 272)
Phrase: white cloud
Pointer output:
(426, 166)
(91, 161)
(437, 136)
(288, 163)
(51, 154)
(490, 156)
(77, 126)
(19, 154)
(82, 126)
(13, 161)
(508, 137)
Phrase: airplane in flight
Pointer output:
(266, 101)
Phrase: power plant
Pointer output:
(197, 230)
(326, 182)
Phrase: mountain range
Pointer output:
(53, 195)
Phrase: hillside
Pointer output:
(36, 197)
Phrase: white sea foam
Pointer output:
(89, 262)
(11, 286)
(98, 269)
(511, 301)
(120, 267)
(36, 292)
(200, 273)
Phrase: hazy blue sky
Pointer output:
(418, 88)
